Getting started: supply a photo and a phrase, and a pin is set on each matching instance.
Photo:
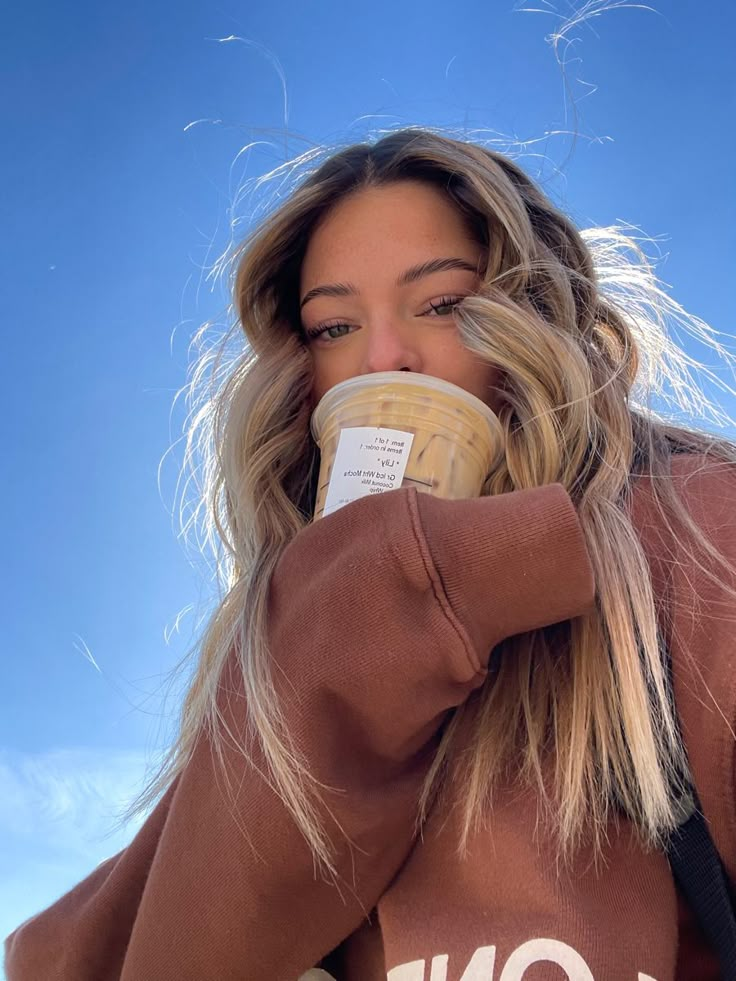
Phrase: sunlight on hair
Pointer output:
(599, 384)
(627, 276)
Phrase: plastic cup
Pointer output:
(392, 429)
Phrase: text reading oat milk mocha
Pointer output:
(395, 429)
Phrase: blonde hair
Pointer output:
(578, 324)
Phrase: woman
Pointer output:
(427, 739)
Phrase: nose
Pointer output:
(389, 349)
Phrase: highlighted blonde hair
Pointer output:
(578, 323)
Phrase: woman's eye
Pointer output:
(446, 303)
(339, 329)
(331, 332)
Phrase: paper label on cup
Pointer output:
(369, 460)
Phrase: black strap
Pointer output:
(699, 872)
(697, 867)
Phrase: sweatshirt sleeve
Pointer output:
(382, 617)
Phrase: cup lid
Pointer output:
(398, 379)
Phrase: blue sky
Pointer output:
(121, 128)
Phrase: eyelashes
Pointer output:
(322, 329)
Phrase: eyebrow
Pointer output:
(408, 276)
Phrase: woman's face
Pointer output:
(368, 319)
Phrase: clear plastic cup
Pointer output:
(392, 429)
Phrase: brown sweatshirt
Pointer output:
(382, 618)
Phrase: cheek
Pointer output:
(451, 357)
(471, 373)
(326, 372)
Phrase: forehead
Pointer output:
(407, 216)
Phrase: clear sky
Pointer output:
(115, 208)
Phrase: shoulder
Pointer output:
(702, 477)
(700, 598)
(704, 486)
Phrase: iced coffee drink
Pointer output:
(394, 429)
